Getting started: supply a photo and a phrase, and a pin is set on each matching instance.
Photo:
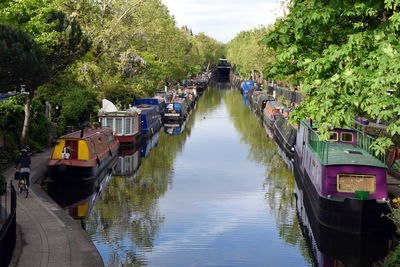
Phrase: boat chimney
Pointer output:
(82, 130)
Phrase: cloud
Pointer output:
(222, 20)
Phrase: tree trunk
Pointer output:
(27, 109)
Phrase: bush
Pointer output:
(394, 259)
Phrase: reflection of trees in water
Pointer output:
(279, 183)
(128, 213)
(210, 100)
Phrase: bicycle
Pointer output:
(22, 184)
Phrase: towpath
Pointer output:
(46, 234)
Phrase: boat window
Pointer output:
(346, 137)
(333, 136)
(351, 183)
(118, 126)
(128, 125)
(109, 123)
(136, 125)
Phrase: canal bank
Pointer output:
(46, 235)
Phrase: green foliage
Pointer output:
(345, 54)
(137, 47)
(21, 59)
(394, 259)
(60, 38)
(247, 53)
(76, 101)
(209, 49)
(11, 122)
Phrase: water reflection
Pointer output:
(333, 248)
(245, 99)
(174, 128)
(279, 182)
(128, 161)
(215, 195)
(79, 199)
(149, 144)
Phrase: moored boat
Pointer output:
(125, 124)
(150, 119)
(155, 101)
(246, 85)
(345, 182)
(272, 110)
(177, 109)
(81, 155)
(285, 136)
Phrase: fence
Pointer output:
(8, 205)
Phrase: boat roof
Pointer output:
(347, 154)
(88, 132)
(275, 105)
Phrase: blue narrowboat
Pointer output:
(156, 101)
(246, 85)
(177, 109)
(150, 119)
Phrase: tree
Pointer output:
(249, 55)
(59, 37)
(209, 49)
(21, 62)
(346, 56)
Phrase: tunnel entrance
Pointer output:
(223, 71)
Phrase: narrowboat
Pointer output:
(125, 124)
(167, 96)
(201, 86)
(177, 109)
(335, 248)
(246, 85)
(159, 102)
(344, 180)
(82, 155)
(260, 103)
(150, 119)
(285, 136)
(271, 111)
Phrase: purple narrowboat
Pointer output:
(345, 182)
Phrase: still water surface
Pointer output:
(218, 194)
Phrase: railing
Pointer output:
(320, 148)
(8, 205)
(364, 141)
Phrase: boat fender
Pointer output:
(109, 152)
(98, 160)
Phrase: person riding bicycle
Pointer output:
(24, 163)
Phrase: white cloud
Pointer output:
(223, 19)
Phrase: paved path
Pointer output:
(47, 235)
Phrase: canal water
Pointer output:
(211, 192)
(217, 194)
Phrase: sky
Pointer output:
(223, 19)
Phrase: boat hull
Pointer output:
(350, 215)
(75, 173)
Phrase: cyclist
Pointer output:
(24, 163)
